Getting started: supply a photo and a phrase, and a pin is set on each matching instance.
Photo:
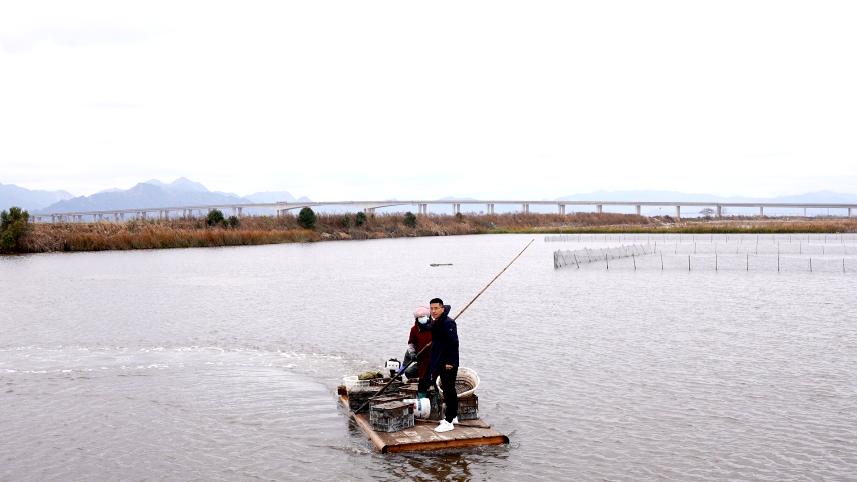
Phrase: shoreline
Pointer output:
(190, 233)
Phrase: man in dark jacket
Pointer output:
(444, 359)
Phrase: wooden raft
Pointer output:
(422, 437)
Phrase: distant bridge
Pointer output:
(422, 208)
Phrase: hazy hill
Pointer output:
(270, 197)
(149, 194)
(29, 199)
(813, 197)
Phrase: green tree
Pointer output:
(13, 227)
(306, 218)
(233, 222)
(410, 220)
(215, 217)
(345, 221)
(360, 219)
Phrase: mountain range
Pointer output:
(12, 195)
(184, 192)
(149, 194)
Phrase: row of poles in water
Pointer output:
(840, 238)
(587, 256)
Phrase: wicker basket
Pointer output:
(466, 382)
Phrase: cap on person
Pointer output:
(421, 314)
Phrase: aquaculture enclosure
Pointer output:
(781, 253)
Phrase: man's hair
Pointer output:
(436, 300)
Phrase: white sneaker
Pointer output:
(444, 426)
(455, 420)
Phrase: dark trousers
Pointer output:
(450, 396)
(424, 384)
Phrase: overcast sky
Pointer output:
(384, 99)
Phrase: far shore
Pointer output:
(188, 233)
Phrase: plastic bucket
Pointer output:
(349, 381)
(422, 407)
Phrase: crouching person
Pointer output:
(419, 338)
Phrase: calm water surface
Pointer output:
(222, 364)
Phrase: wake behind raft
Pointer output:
(396, 421)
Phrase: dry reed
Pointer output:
(193, 233)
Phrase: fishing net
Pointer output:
(562, 258)
(733, 262)
(712, 252)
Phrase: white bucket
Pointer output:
(422, 407)
(349, 381)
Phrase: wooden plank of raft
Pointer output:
(422, 437)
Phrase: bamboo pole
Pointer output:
(405, 367)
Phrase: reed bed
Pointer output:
(254, 230)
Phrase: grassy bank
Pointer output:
(188, 233)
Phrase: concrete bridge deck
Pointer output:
(422, 207)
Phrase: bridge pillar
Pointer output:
(804, 212)
(639, 209)
(599, 208)
(849, 212)
(761, 210)
(525, 207)
(370, 210)
(719, 211)
(561, 209)
(143, 215)
(489, 208)
(240, 211)
(678, 212)
(456, 208)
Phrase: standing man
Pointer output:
(444, 359)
